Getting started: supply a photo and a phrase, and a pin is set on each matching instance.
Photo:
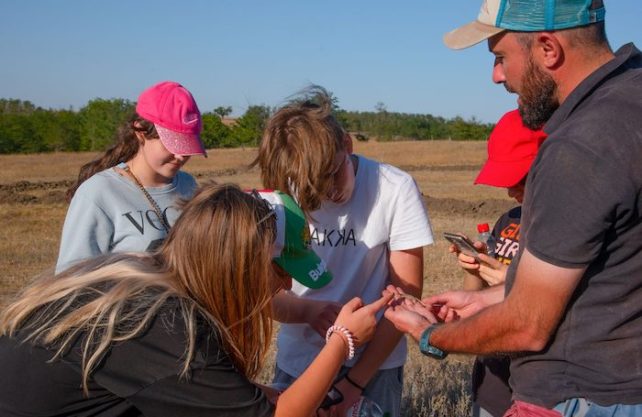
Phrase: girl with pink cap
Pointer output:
(125, 199)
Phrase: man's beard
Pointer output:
(538, 98)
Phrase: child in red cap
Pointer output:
(125, 199)
(512, 148)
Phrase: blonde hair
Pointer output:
(216, 262)
(299, 144)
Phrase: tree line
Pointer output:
(26, 128)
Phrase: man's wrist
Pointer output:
(418, 331)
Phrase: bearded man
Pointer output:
(572, 305)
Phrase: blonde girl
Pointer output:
(180, 332)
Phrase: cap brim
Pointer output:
(299, 268)
(291, 248)
(470, 34)
(184, 144)
(503, 174)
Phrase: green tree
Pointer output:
(215, 134)
(223, 111)
(100, 120)
(248, 128)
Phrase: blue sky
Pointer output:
(63, 53)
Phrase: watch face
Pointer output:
(434, 352)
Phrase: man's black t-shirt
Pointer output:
(138, 377)
(583, 209)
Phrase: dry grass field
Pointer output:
(32, 197)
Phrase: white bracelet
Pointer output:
(347, 333)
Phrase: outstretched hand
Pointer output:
(453, 305)
(407, 313)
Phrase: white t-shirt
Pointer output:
(385, 213)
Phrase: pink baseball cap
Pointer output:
(512, 148)
(175, 115)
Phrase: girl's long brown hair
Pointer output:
(216, 262)
(124, 149)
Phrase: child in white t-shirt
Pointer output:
(368, 224)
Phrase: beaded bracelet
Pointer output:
(348, 335)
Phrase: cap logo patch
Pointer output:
(315, 274)
(190, 118)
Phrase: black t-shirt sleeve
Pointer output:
(147, 372)
(569, 203)
(214, 390)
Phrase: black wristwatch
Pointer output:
(426, 348)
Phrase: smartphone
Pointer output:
(463, 243)
(333, 397)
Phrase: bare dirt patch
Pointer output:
(479, 208)
(34, 192)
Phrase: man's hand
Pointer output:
(453, 305)
(408, 314)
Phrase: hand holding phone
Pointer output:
(463, 244)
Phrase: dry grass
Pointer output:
(32, 186)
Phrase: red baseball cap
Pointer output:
(512, 148)
(175, 115)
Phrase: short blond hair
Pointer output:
(298, 148)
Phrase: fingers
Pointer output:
(481, 246)
(382, 302)
(440, 299)
(396, 291)
(467, 261)
(353, 304)
(490, 261)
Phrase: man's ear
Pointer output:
(547, 50)
(347, 143)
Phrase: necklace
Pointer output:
(151, 200)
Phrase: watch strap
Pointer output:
(426, 348)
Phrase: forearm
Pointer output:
(494, 329)
(406, 272)
(492, 295)
(524, 321)
(288, 308)
(473, 283)
(304, 396)
(380, 347)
